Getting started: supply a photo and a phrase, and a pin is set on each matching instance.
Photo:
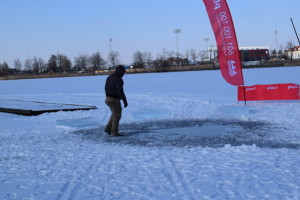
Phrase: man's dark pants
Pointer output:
(116, 112)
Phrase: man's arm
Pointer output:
(120, 91)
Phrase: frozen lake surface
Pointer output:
(186, 137)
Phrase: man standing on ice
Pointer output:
(114, 94)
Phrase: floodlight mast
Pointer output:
(177, 31)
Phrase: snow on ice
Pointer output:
(186, 137)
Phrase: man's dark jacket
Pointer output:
(114, 84)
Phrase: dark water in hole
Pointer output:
(191, 133)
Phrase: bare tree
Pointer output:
(161, 63)
(97, 61)
(38, 65)
(59, 62)
(81, 62)
(289, 45)
(18, 65)
(35, 65)
(28, 65)
(52, 64)
(64, 64)
(194, 56)
(42, 64)
(138, 59)
(148, 58)
(4, 68)
(113, 58)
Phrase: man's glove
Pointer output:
(125, 103)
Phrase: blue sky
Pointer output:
(73, 27)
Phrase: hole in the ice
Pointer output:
(205, 131)
(191, 133)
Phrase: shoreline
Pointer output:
(139, 71)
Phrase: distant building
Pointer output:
(293, 53)
(246, 53)
(254, 53)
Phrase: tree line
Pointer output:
(60, 63)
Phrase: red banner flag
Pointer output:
(228, 50)
(286, 91)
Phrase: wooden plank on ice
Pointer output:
(33, 108)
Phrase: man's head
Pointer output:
(120, 70)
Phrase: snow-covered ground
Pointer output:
(186, 137)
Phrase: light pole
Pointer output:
(206, 40)
(110, 40)
(276, 44)
(177, 31)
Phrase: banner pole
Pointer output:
(245, 99)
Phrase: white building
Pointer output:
(293, 53)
